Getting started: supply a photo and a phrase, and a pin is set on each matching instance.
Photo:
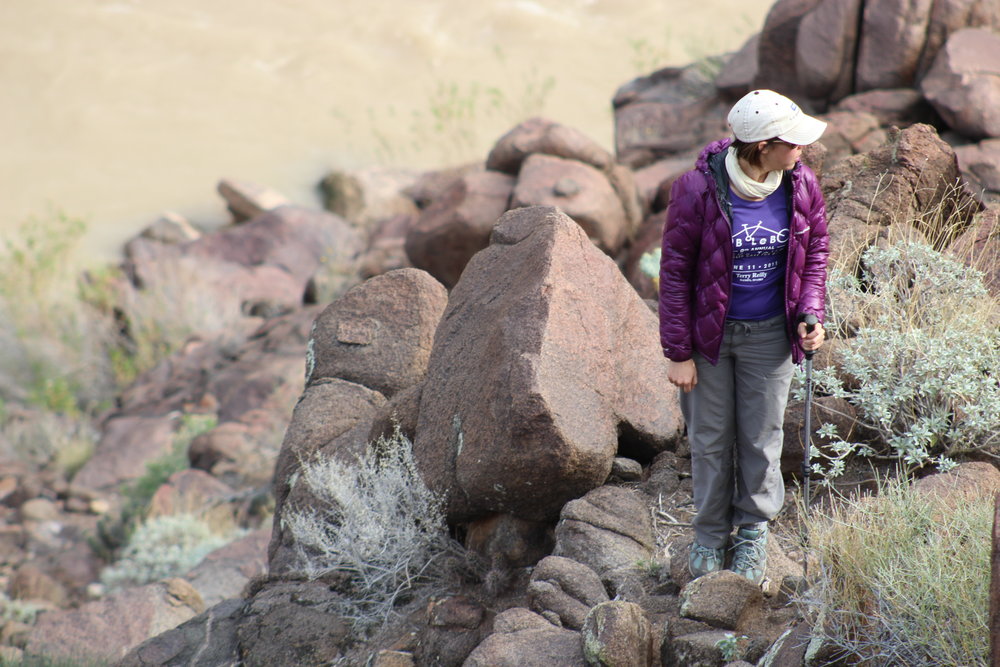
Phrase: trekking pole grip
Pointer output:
(811, 321)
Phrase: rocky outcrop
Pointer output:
(963, 84)
(913, 177)
(108, 628)
(606, 529)
(524, 639)
(379, 334)
(458, 223)
(564, 591)
(539, 375)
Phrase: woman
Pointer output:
(744, 261)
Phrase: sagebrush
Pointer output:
(375, 522)
(920, 367)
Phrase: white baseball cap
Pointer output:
(764, 114)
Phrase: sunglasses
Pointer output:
(784, 143)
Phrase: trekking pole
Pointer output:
(810, 321)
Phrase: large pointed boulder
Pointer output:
(546, 365)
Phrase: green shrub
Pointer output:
(161, 547)
(116, 531)
(51, 343)
(921, 366)
(375, 523)
(905, 577)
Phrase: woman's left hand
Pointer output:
(812, 340)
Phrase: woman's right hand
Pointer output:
(683, 374)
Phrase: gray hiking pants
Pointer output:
(734, 417)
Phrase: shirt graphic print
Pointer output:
(760, 251)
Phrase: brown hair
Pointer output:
(748, 150)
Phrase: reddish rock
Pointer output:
(580, 191)
(538, 135)
(225, 572)
(737, 75)
(247, 200)
(431, 185)
(457, 224)
(914, 173)
(670, 111)
(720, 599)
(979, 246)
(653, 181)
(386, 247)
(540, 374)
(892, 38)
(776, 55)
(963, 84)
(533, 646)
(947, 16)
(980, 165)
(191, 492)
(825, 49)
(379, 334)
(965, 483)
(127, 445)
(107, 629)
(896, 106)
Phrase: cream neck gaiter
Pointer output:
(747, 186)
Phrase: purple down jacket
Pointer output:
(697, 261)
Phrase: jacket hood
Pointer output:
(708, 151)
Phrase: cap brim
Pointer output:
(806, 131)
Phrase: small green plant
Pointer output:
(161, 547)
(375, 523)
(731, 646)
(921, 366)
(114, 532)
(905, 577)
(22, 611)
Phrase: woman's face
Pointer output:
(779, 155)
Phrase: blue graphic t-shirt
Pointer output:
(760, 252)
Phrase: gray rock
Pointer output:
(720, 599)
(609, 528)
(529, 647)
(207, 640)
(617, 633)
(566, 588)
(287, 624)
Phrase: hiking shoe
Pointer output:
(750, 553)
(703, 560)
